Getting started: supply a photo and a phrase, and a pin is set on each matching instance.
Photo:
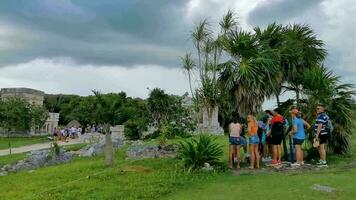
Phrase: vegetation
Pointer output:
(262, 64)
(169, 115)
(160, 110)
(18, 115)
(88, 178)
(11, 158)
(196, 152)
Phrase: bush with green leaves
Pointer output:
(169, 115)
(134, 128)
(197, 151)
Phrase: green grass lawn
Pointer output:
(88, 178)
(10, 159)
(21, 141)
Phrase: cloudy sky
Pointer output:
(73, 46)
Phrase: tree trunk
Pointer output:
(8, 135)
(190, 84)
(109, 150)
(278, 101)
(297, 96)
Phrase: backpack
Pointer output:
(329, 126)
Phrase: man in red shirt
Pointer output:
(276, 134)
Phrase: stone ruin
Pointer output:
(117, 136)
(210, 124)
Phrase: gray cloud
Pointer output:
(280, 11)
(111, 32)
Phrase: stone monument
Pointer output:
(210, 123)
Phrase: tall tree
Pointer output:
(188, 66)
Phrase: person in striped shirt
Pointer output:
(321, 133)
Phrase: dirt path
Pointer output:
(32, 147)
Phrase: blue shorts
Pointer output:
(234, 140)
(254, 139)
(297, 141)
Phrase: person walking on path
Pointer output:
(254, 141)
(298, 133)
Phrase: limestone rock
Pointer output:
(323, 188)
(37, 159)
(98, 148)
(151, 151)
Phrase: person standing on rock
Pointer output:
(298, 133)
(235, 129)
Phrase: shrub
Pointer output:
(196, 152)
(132, 129)
(55, 149)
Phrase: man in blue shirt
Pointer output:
(298, 133)
(321, 132)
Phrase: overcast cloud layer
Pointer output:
(64, 46)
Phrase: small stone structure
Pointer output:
(210, 123)
(50, 124)
(73, 123)
(117, 132)
(35, 97)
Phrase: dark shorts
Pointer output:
(268, 140)
(297, 141)
(276, 139)
(324, 138)
(243, 141)
(234, 140)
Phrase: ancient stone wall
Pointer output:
(31, 95)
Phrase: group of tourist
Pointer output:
(266, 136)
(65, 133)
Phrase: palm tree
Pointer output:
(188, 66)
(272, 38)
(106, 114)
(321, 86)
(246, 73)
(301, 50)
(200, 35)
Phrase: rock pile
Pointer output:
(151, 151)
(37, 159)
(99, 148)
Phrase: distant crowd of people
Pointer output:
(66, 133)
(265, 137)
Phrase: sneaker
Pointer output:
(322, 163)
(273, 163)
(265, 160)
(295, 165)
(302, 163)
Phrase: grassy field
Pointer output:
(21, 141)
(10, 159)
(88, 178)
